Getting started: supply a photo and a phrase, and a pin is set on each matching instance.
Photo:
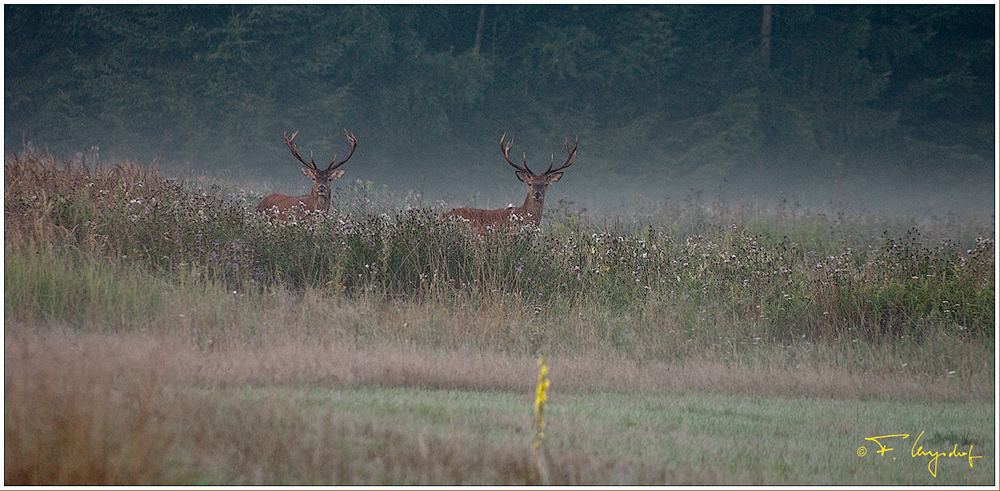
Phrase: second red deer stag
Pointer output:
(528, 213)
(318, 200)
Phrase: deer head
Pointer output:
(537, 183)
(318, 198)
(531, 210)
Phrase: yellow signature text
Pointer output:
(917, 450)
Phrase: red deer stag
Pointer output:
(318, 200)
(531, 211)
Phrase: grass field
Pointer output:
(157, 332)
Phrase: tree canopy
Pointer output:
(695, 90)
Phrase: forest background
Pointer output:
(867, 106)
(159, 331)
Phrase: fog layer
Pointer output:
(862, 107)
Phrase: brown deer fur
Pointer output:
(318, 200)
(530, 212)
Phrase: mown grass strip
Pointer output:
(666, 438)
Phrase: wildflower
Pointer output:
(541, 396)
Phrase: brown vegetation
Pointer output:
(104, 409)
(157, 333)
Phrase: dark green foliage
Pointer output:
(681, 90)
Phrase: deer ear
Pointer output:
(308, 172)
(337, 174)
(553, 177)
(523, 176)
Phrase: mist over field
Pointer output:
(776, 242)
(834, 108)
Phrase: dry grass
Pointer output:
(150, 340)
(81, 414)
(107, 409)
(776, 278)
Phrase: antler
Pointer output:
(291, 146)
(354, 144)
(506, 154)
(569, 159)
(333, 165)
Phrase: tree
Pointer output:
(680, 90)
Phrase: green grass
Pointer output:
(782, 276)
(705, 438)
(115, 409)
(64, 287)
(157, 331)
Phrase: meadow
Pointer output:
(158, 331)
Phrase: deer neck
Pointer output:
(532, 208)
(316, 202)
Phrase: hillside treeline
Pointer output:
(689, 88)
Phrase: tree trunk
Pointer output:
(765, 38)
(479, 30)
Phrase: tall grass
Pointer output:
(66, 424)
(707, 271)
(154, 324)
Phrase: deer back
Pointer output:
(482, 221)
(283, 204)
